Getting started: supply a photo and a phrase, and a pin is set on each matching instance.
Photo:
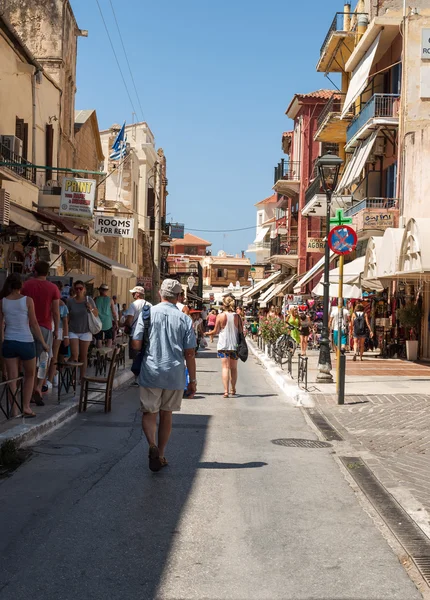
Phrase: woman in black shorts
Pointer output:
(305, 329)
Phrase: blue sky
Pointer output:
(214, 80)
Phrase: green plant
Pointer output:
(271, 328)
(410, 318)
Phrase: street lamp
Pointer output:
(328, 169)
(164, 249)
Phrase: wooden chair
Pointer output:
(101, 384)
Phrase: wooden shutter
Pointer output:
(25, 142)
(49, 149)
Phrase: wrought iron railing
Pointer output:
(284, 245)
(338, 24)
(9, 398)
(17, 164)
(379, 106)
(316, 187)
(334, 105)
(372, 203)
(289, 170)
(302, 371)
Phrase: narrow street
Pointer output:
(233, 516)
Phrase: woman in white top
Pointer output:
(18, 323)
(227, 325)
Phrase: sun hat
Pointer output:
(138, 289)
(104, 286)
(171, 286)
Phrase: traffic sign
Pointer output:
(342, 239)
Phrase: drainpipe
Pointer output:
(33, 115)
(157, 232)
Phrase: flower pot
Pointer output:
(412, 349)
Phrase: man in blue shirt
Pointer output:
(162, 375)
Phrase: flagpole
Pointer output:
(118, 192)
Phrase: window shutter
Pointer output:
(49, 149)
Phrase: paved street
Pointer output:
(233, 516)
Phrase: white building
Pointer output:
(265, 224)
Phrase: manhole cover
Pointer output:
(299, 443)
(63, 449)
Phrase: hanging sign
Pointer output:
(114, 226)
(425, 44)
(77, 198)
(191, 282)
(342, 239)
(315, 245)
(176, 230)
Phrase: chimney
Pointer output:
(243, 253)
(347, 16)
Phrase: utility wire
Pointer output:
(116, 57)
(126, 58)
(220, 230)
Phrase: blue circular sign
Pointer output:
(342, 239)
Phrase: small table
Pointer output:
(67, 376)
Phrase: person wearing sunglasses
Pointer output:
(79, 330)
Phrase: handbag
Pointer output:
(138, 359)
(242, 346)
(94, 323)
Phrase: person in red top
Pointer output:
(46, 298)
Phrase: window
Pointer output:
(240, 273)
(219, 273)
(193, 250)
(260, 218)
(21, 132)
(391, 181)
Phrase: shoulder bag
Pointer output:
(94, 323)
(138, 359)
(242, 346)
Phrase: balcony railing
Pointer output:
(316, 187)
(17, 164)
(334, 105)
(284, 245)
(338, 24)
(383, 203)
(379, 106)
(289, 170)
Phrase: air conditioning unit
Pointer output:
(12, 143)
(4, 207)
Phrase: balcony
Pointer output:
(18, 178)
(258, 246)
(331, 128)
(373, 215)
(381, 109)
(316, 201)
(339, 41)
(287, 178)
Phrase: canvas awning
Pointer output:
(261, 235)
(266, 294)
(357, 163)
(279, 290)
(348, 291)
(117, 269)
(359, 78)
(260, 286)
(414, 256)
(313, 272)
(24, 219)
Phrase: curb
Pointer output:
(294, 394)
(25, 434)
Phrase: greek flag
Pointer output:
(119, 148)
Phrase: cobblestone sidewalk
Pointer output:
(395, 430)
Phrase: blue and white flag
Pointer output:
(119, 148)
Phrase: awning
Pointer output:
(63, 222)
(313, 272)
(99, 259)
(357, 163)
(282, 203)
(267, 293)
(24, 219)
(279, 290)
(260, 286)
(261, 235)
(359, 78)
(414, 258)
(348, 291)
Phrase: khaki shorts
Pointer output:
(152, 400)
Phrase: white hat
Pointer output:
(172, 286)
(138, 289)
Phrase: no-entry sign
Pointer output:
(342, 239)
(114, 226)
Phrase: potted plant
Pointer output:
(271, 328)
(410, 319)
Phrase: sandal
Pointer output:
(233, 392)
(154, 459)
(37, 399)
(226, 395)
(163, 461)
(29, 415)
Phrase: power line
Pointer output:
(116, 57)
(126, 58)
(220, 230)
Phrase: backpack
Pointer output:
(359, 324)
(137, 361)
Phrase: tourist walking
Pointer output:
(293, 320)
(79, 329)
(132, 315)
(360, 327)
(304, 330)
(333, 326)
(107, 315)
(19, 322)
(62, 339)
(162, 374)
(46, 299)
(199, 331)
(204, 316)
(227, 325)
(211, 322)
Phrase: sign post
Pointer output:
(342, 240)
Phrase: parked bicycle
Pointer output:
(284, 348)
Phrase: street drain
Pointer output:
(413, 540)
(328, 431)
(62, 449)
(299, 443)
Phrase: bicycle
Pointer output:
(284, 348)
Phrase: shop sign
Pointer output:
(145, 282)
(77, 198)
(425, 44)
(176, 230)
(315, 245)
(114, 226)
(375, 220)
(191, 281)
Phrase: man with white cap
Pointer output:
(132, 315)
(162, 375)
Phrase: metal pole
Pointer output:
(324, 361)
(341, 395)
(339, 321)
(157, 225)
